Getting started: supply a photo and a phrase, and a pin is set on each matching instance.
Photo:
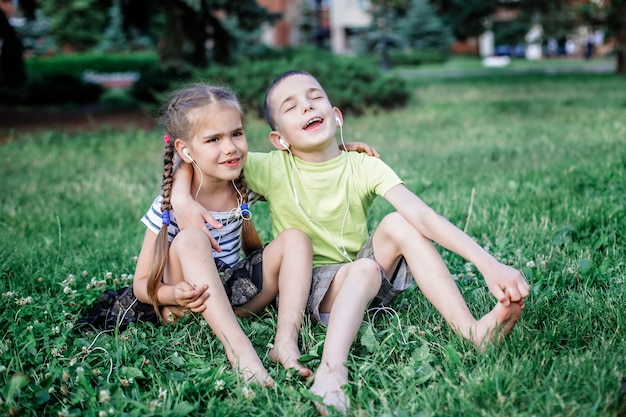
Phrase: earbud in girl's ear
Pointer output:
(285, 144)
(338, 120)
(186, 153)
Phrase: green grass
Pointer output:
(534, 167)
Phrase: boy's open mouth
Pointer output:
(313, 123)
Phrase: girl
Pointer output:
(179, 271)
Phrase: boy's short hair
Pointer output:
(267, 110)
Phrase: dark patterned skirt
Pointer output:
(119, 308)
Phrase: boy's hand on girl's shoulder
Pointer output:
(360, 147)
(195, 216)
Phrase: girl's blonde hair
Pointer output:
(181, 118)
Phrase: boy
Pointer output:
(326, 193)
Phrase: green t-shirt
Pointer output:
(323, 190)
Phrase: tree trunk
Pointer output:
(621, 39)
(171, 45)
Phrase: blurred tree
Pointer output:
(76, 24)
(187, 32)
(226, 27)
(12, 72)
(465, 17)
(422, 29)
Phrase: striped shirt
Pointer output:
(228, 237)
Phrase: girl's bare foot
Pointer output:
(253, 372)
(288, 355)
(497, 324)
(327, 385)
(171, 314)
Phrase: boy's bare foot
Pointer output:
(327, 385)
(288, 356)
(253, 372)
(497, 324)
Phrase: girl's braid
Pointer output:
(162, 245)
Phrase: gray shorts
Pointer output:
(389, 289)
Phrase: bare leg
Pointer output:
(190, 258)
(395, 237)
(348, 296)
(294, 283)
(287, 270)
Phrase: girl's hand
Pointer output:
(191, 298)
(360, 147)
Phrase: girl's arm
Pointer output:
(181, 294)
(505, 283)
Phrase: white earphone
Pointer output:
(186, 153)
(338, 120)
(283, 143)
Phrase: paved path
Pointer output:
(587, 67)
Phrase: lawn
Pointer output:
(532, 166)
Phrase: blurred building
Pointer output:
(327, 23)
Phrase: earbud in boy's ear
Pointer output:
(338, 120)
(284, 144)
(186, 153)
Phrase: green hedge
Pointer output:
(76, 64)
(353, 84)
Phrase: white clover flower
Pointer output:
(153, 405)
(219, 385)
(8, 294)
(163, 394)
(108, 275)
(80, 371)
(530, 264)
(3, 368)
(85, 274)
(64, 413)
(67, 290)
(104, 396)
(24, 300)
(248, 393)
(56, 330)
(102, 413)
